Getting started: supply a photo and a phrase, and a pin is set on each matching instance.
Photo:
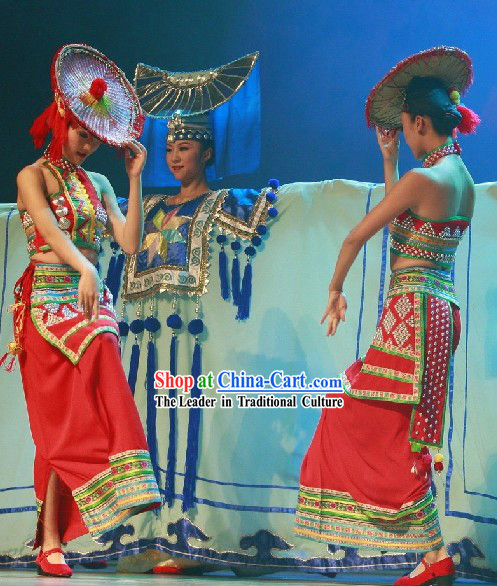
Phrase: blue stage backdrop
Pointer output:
(319, 60)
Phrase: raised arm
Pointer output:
(127, 231)
(31, 190)
(403, 195)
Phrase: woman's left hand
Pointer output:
(335, 311)
(389, 143)
(135, 163)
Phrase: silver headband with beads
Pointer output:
(189, 128)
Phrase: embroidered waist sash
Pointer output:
(54, 310)
(423, 280)
(409, 357)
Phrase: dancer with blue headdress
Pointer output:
(200, 127)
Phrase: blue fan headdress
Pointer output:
(220, 105)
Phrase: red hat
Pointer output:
(92, 91)
(386, 100)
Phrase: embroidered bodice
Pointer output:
(78, 209)
(416, 237)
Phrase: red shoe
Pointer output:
(45, 568)
(440, 573)
(166, 570)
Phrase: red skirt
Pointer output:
(82, 415)
(359, 483)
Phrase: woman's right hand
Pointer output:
(89, 291)
(389, 141)
(335, 311)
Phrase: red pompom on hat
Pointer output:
(98, 88)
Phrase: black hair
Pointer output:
(429, 96)
(206, 144)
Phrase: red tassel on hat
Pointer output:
(470, 120)
(40, 128)
(51, 120)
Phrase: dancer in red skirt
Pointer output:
(366, 478)
(92, 469)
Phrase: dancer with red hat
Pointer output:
(366, 478)
(92, 468)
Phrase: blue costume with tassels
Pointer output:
(175, 256)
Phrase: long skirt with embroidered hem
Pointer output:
(358, 487)
(86, 429)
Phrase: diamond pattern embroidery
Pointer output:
(401, 334)
(389, 321)
(378, 337)
(403, 306)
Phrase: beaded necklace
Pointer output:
(61, 163)
(449, 148)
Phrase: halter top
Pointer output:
(77, 207)
(416, 237)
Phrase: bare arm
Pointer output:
(31, 186)
(127, 231)
(403, 195)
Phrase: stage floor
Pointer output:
(98, 578)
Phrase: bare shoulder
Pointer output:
(422, 177)
(414, 182)
(31, 174)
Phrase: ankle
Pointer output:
(433, 557)
(50, 545)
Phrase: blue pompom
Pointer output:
(261, 229)
(114, 245)
(250, 251)
(272, 212)
(221, 239)
(136, 326)
(256, 240)
(274, 183)
(235, 245)
(196, 326)
(271, 197)
(152, 324)
(174, 321)
(123, 328)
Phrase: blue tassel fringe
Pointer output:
(193, 436)
(223, 275)
(235, 280)
(243, 312)
(118, 275)
(110, 272)
(133, 366)
(171, 451)
(152, 411)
